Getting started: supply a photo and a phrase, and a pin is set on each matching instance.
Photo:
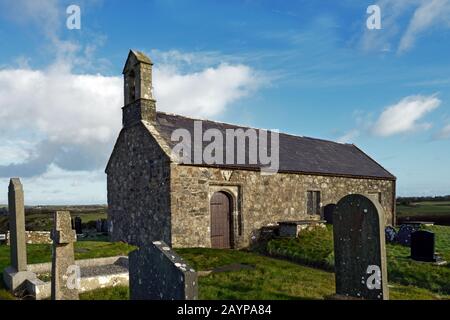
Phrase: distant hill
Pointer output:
(40, 218)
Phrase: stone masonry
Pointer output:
(260, 201)
(144, 182)
(64, 271)
(34, 237)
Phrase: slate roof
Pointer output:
(297, 154)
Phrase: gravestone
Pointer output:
(104, 228)
(422, 246)
(77, 225)
(391, 234)
(65, 274)
(158, 273)
(359, 249)
(17, 225)
(404, 234)
(17, 273)
(98, 225)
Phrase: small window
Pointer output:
(313, 202)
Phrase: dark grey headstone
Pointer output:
(98, 225)
(422, 246)
(104, 227)
(158, 273)
(78, 225)
(359, 248)
(404, 234)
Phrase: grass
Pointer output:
(270, 278)
(315, 248)
(115, 293)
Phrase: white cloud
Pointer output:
(72, 120)
(444, 133)
(403, 21)
(429, 13)
(404, 116)
(205, 93)
(349, 137)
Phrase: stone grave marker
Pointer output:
(158, 273)
(359, 249)
(17, 273)
(391, 234)
(404, 234)
(77, 225)
(422, 246)
(65, 274)
(98, 225)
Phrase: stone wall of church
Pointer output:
(261, 200)
(138, 189)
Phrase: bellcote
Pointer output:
(138, 91)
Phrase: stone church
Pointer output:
(152, 195)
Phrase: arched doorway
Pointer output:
(221, 207)
(328, 213)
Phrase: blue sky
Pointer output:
(310, 68)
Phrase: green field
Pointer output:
(42, 219)
(435, 211)
(301, 270)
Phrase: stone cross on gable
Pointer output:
(65, 274)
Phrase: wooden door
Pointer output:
(220, 220)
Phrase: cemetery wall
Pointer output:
(34, 237)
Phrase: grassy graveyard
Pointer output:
(315, 248)
(299, 269)
(38, 253)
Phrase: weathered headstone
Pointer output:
(422, 246)
(65, 274)
(98, 225)
(17, 273)
(104, 228)
(77, 225)
(404, 234)
(158, 273)
(17, 225)
(391, 234)
(359, 248)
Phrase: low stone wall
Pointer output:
(293, 229)
(34, 237)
